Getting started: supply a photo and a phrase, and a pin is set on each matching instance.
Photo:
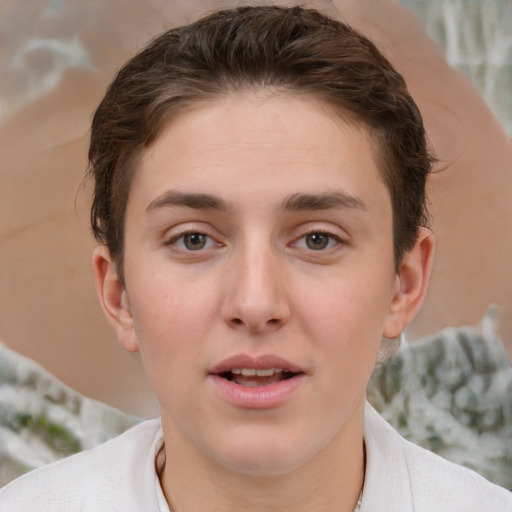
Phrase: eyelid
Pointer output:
(327, 228)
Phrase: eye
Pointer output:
(317, 241)
(193, 241)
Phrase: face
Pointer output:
(259, 281)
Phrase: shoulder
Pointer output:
(402, 476)
(108, 477)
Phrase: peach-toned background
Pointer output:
(56, 58)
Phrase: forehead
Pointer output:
(254, 152)
(250, 141)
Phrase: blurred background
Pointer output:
(56, 58)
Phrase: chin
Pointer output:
(258, 458)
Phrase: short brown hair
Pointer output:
(295, 50)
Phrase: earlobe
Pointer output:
(411, 284)
(113, 298)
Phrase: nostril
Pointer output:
(255, 323)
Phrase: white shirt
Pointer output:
(120, 476)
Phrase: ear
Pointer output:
(113, 298)
(411, 284)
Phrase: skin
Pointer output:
(261, 286)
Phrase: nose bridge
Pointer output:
(256, 296)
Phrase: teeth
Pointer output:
(253, 372)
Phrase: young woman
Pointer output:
(260, 204)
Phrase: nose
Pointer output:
(256, 292)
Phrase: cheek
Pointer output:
(171, 321)
(170, 307)
(169, 335)
(346, 322)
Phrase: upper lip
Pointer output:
(262, 362)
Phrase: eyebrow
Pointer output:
(297, 202)
(196, 201)
(294, 202)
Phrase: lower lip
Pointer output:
(261, 397)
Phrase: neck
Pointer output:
(332, 480)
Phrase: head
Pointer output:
(260, 181)
(286, 51)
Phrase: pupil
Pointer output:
(317, 241)
(194, 241)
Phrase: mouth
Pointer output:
(257, 377)
(257, 382)
(252, 372)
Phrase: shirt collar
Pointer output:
(387, 478)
